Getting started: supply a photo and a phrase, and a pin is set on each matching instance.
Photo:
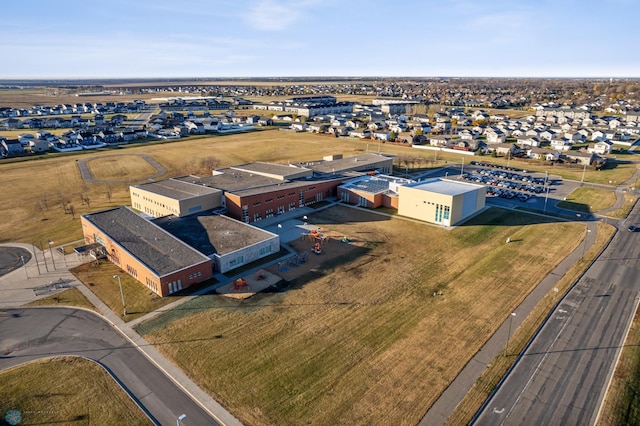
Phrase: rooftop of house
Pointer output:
(160, 251)
(212, 234)
(177, 189)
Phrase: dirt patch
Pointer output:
(333, 251)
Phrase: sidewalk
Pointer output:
(16, 289)
(458, 389)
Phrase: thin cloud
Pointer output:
(273, 15)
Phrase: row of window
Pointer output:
(153, 285)
(131, 271)
(195, 275)
(175, 286)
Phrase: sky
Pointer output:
(43, 39)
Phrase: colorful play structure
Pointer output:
(317, 248)
(239, 284)
(315, 235)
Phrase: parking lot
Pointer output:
(507, 182)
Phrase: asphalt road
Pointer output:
(11, 258)
(561, 377)
(27, 334)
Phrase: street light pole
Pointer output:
(24, 266)
(545, 201)
(506, 349)
(584, 170)
(180, 419)
(51, 252)
(121, 293)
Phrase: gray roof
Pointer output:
(445, 186)
(213, 234)
(285, 185)
(230, 180)
(158, 250)
(177, 189)
(359, 162)
(272, 169)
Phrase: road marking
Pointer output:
(500, 411)
(535, 372)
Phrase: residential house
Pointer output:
(544, 154)
(560, 144)
(495, 136)
(440, 141)
(528, 142)
(506, 149)
(601, 148)
(361, 133)
(581, 157)
(299, 127)
(12, 146)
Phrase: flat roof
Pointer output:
(231, 180)
(213, 234)
(373, 184)
(282, 170)
(361, 162)
(445, 186)
(177, 189)
(285, 185)
(150, 244)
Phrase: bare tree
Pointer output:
(109, 192)
(72, 210)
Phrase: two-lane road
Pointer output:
(561, 377)
(31, 333)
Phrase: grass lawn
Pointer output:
(70, 297)
(498, 367)
(588, 200)
(362, 339)
(629, 202)
(139, 300)
(622, 404)
(67, 390)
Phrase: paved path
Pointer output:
(16, 290)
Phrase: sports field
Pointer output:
(362, 339)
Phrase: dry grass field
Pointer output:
(139, 300)
(70, 297)
(589, 200)
(487, 382)
(120, 167)
(34, 191)
(66, 391)
(361, 339)
(622, 405)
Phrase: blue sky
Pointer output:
(255, 38)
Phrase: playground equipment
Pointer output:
(260, 274)
(317, 248)
(239, 284)
(345, 240)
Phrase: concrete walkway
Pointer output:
(16, 289)
(458, 389)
